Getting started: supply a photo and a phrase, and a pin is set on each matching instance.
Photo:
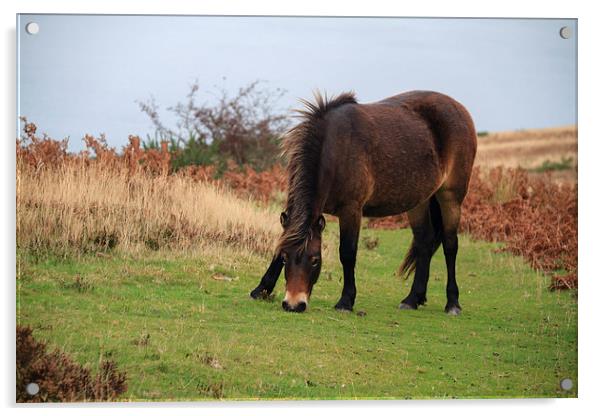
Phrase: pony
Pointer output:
(412, 152)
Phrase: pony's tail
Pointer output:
(409, 262)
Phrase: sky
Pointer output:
(85, 74)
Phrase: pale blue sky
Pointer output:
(83, 74)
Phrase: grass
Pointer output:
(77, 208)
(564, 164)
(533, 149)
(182, 335)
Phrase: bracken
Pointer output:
(59, 378)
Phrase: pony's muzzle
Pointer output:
(294, 303)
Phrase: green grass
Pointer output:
(182, 335)
(548, 166)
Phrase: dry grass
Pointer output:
(93, 208)
(530, 149)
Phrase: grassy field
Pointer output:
(183, 327)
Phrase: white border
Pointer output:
(590, 138)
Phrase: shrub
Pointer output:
(59, 378)
(243, 129)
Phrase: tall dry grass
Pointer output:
(91, 209)
(82, 205)
(528, 149)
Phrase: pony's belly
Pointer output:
(384, 211)
(398, 200)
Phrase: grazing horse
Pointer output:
(412, 152)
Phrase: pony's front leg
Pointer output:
(349, 224)
(269, 279)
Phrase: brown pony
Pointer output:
(412, 153)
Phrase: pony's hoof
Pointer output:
(260, 293)
(343, 307)
(405, 306)
(256, 293)
(453, 310)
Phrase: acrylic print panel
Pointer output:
(421, 221)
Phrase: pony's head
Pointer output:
(301, 242)
(302, 258)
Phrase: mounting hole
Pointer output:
(566, 384)
(32, 28)
(565, 32)
(32, 389)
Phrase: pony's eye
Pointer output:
(315, 261)
(283, 257)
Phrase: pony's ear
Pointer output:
(284, 219)
(321, 223)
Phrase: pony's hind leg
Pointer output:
(424, 244)
(450, 205)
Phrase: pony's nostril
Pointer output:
(299, 308)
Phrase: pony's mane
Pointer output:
(302, 146)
